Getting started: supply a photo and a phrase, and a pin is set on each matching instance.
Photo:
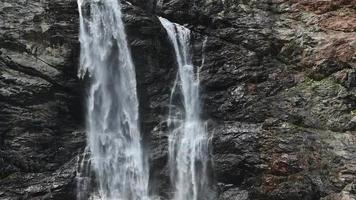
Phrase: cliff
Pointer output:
(278, 83)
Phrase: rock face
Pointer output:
(40, 99)
(278, 83)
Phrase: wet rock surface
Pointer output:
(278, 83)
(40, 99)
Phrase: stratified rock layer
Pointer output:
(278, 82)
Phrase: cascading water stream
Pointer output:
(188, 139)
(114, 138)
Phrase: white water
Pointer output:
(114, 138)
(83, 178)
(188, 139)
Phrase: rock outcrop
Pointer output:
(278, 84)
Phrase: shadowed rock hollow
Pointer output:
(278, 86)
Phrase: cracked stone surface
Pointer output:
(278, 83)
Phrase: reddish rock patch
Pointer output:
(323, 6)
(252, 88)
(342, 22)
(337, 49)
(270, 183)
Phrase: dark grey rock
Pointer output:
(278, 86)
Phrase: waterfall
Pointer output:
(114, 138)
(188, 140)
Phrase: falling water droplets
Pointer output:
(188, 139)
(114, 138)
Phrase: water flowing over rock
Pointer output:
(188, 139)
(114, 136)
(277, 89)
